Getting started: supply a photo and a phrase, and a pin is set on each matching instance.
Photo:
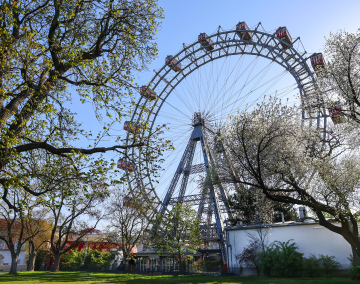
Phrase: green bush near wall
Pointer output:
(282, 259)
(87, 259)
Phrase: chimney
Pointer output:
(302, 212)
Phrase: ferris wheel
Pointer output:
(194, 93)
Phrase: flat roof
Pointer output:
(272, 225)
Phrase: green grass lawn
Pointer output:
(88, 277)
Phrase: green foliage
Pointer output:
(87, 259)
(56, 55)
(322, 265)
(354, 269)
(98, 259)
(281, 258)
(311, 266)
(73, 259)
(177, 232)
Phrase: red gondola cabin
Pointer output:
(283, 34)
(146, 92)
(242, 31)
(121, 164)
(335, 113)
(131, 127)
(172, 63)
(206, 42)
(317, 61)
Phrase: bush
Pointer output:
(354, 270)
(73, 259)
(328, 264)
(98, 259)
(87, 259)
(281, 258)
(250, 256)
(323, 265)
(311, 266)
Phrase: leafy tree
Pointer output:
(71, 198)
(294, 164)
(53, 53)
(67, 213)
(177, 232)
(39, 241)
(252, 207)
(129, 217)
(14, 225)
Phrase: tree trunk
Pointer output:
(56, 265)
(354, 231)
(32, 257)
(14, 259)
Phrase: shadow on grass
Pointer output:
(89, 277)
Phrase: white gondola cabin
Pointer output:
(283, 34)
(317, 61)
(131, 127)
(172, 63)
(335, 113)
(121, 164)
(206, 42)
(242, 31)
(146, 92)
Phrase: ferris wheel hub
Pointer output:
(198, 119)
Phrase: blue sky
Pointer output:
(311, 20)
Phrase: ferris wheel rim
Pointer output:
(237, 42)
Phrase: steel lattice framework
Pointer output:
(165, 80)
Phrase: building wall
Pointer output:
(7, 259)
(310, 238)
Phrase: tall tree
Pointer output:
(290, 163)
(177, 232)
(129, 218)
(55, 52)
(74, 209)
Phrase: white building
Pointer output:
(310, 237)
(5, 258)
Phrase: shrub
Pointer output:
(354, 270)
(73, 259)
(322, 265)
(281, 258)
(328, 264)
(88, 259)
(250, 256)
(98, 259)
(311, 266)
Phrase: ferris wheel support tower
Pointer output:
(213, 198)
